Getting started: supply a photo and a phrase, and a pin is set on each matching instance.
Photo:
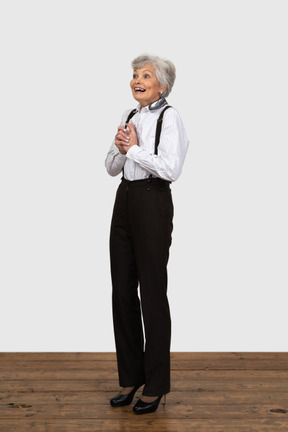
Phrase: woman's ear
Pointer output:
(162, 90)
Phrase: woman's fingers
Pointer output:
(132, 134)
(126, 138)
(122, 136)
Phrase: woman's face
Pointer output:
(145, 86)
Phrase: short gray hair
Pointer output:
(164, 69)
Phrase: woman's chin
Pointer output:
(139, 98)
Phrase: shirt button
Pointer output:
(148, 189)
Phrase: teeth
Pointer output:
(139, 89)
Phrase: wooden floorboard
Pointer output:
(211, 392)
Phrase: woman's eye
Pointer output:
(147, 76)
(134, 76)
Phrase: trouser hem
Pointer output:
(155, 393)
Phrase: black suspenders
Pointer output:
(158, 130)
(132, 113)
(158, 127)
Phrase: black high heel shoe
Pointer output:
(147, 407)
(123, 400)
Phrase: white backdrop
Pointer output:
(65, 72)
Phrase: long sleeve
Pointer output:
(114, 161)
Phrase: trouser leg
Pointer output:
(151, 214)
(125, 301)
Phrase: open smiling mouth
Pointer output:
(139, 90)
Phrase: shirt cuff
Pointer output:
(121, 156)
(133, 151)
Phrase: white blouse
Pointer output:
(140, 161)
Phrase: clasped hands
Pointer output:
(126, 138)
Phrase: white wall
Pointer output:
(65, 72)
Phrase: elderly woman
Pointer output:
(150, 152)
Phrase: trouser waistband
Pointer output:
(145, 182)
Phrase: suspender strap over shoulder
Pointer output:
(158, 129)
(132, 113)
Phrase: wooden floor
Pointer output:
(211, 392)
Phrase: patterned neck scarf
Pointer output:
(158, 104)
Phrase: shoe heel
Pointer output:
(164, 397)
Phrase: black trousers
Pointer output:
(140, 239)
